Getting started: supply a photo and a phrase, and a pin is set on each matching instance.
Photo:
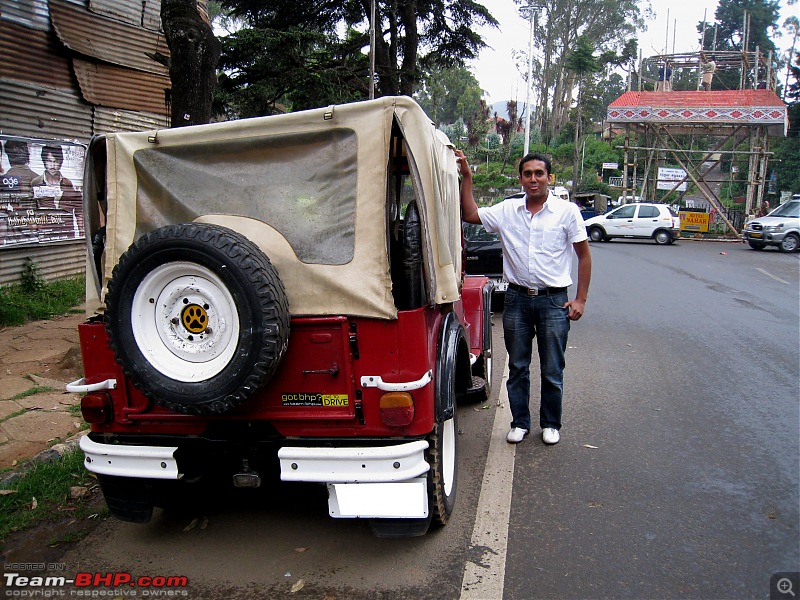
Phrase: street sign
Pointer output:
(610, 165)
(667, 178)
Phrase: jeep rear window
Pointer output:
(302, 184)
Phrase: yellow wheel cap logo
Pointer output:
(195, 318)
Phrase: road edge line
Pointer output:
(486, 579)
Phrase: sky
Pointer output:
(496, 71)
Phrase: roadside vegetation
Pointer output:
(48, 492)
(34, 298)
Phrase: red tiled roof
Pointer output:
(714, 108)
(721, 98)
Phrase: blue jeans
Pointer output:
(544, 318)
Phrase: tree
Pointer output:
(598, 93)
(607, 25)
(194, 52)
(478, 124)
(582, 62)
(787, 151)
(507, 130)
(447, 94)
(309, 54)
(730, 35)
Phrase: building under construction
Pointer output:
(691, 132)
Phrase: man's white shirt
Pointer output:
(537, 249)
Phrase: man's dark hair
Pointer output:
(17, 152)
(536, 156)
(55, 152)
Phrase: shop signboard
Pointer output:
(667, 178)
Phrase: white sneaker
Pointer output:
(550, 435)
(515, 435)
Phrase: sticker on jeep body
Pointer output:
(311, 399)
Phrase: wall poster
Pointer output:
(41, 184)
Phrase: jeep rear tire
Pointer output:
(197, 317)
(443, 475)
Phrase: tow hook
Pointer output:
(247, 478)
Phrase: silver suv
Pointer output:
(779, 228)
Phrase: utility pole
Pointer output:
(372, 51)
(533, 12)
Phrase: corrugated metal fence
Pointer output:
(53, 261)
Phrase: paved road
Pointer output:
(684, 375)
(683, 379)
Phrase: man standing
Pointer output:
(538, 234)
(708, 68)
(664, 74)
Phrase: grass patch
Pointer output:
(49, 484)
(16, 413)
(39, 389)
(22, 303)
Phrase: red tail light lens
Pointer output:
(97, 407)
(397, 409)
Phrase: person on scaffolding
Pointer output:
(708, 67)
(664, 74)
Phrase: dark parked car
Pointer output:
(484, 255)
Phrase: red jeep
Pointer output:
(282, 291)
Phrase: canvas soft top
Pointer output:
(309, 188)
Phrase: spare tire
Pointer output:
(197, 317)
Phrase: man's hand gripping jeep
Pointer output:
(282, 292)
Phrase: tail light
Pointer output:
(97, 407)
(397, 409)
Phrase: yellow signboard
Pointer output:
(695, 221)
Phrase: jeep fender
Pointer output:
(452, 366)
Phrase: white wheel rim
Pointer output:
(448, 455)
(171, 293)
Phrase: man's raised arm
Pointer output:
(469, 209)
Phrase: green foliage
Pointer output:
(32, 282)
(291, 55)
(598, 94)
(763, 16)
(581, 59)
(589, 183)
(267, 71)
(493, 180)
(18, 304)
(606, 26)
(787, 164)
(478, 124)
(448, 94)
(49, 484)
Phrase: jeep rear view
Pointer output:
(282, 295)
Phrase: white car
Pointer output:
(641, 220)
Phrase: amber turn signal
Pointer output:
(397, 409)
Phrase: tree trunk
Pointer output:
(193, 62)
(576, 150)
(408, 69)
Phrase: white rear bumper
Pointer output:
(375, 482)
(150, 462)
(366, 482)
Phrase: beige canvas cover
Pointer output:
(309, 188)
